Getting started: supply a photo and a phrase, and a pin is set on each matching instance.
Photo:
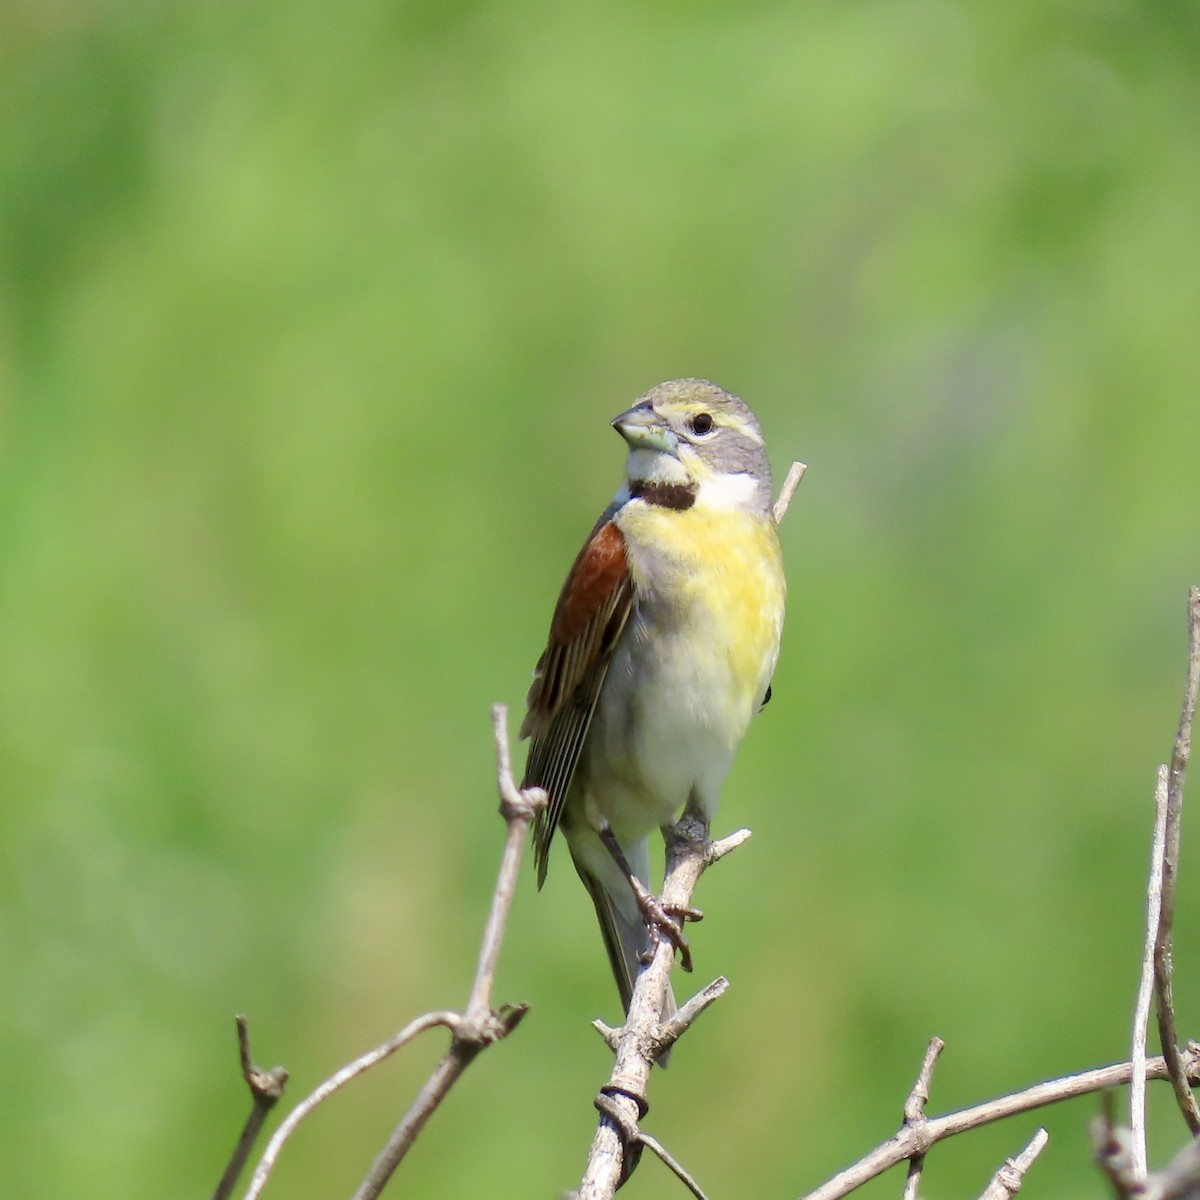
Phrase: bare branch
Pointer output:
(644, 1037)
(333, 1084)
(1121, 1153)
(1168, 1037)
(266, 1087)
(481, 1026)
(914, 1112)
(791, 481)
(1006, 1183)
(1112, 1150)
(674, 1028)
(518, 809)
(471, 1032)
(715, 851)
(1181, 1180)
(912, 1181)
(1141, 1018)
(914, 1106)
(919, 1138)
(673, 1165)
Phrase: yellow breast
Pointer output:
(721, 572)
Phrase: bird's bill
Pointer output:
(643, 429)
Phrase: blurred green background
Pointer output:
(312, 320)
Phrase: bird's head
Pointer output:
(704, 444)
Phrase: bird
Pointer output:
(661, 650)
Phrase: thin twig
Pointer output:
(1181, 1179)
(914, 1112)
(266, 1087)
(1112, 1150)
(791, 481)
(1168, 1037)
(644, 1037)
(1141, 1016)
(518, 810)
(471, 1032)
(334, 1083)
(673, 1165)
(914, 1106)
(1006, 1183)
(672, 1029)
(481, 1026)
(921, 1137)
(912, 1181)
(675, 1027)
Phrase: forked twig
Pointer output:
(1120, 1152)
(266, 1087)
(920, 1138)
(471, 1031)
(335, 1083)
(645, 1037)
(914, 1112)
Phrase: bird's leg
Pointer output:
(661, 922)
(690, 830)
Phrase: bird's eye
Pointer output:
(702, 423)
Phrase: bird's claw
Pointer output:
(665, 923)
(683, 912)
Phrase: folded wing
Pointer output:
(592, 610)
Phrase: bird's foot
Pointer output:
(665, 922)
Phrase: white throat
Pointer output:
(728, 493)
(653, 466)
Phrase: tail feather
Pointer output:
(626, 937)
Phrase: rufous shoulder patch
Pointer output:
(598, 571)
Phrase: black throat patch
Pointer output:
(678, 496)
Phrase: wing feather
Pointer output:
(592, 610)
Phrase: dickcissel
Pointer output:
(661, 649)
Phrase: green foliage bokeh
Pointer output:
(312, 319)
